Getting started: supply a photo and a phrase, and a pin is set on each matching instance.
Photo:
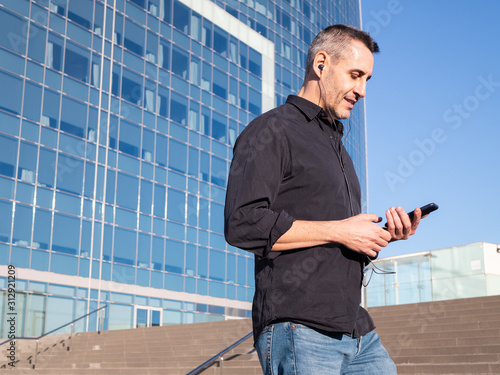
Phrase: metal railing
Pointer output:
(218, 357)
(34, 357)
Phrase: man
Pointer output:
(293, 199)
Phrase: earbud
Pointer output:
(320, 67)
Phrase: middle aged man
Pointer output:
(293, 199)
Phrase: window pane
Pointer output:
(178, 108)
(50, 116)
(76, 62)
(176, 205)
(27, 162)
(127, 191)
(12, 29)
(125, 246)
(10, 100)
(220, 83)
(42, 229)
(22, 225)
(130, 138)
(66, 234)
(146, 196)
(220, 41)
(37, 38)
(180, 62)
(181, 16)
(217, 265)
(8, 155)
(32, 101)
(74, 117)
(174, 256)
(132, 87)
(134, 37)
(46, 167)
(80, 11)
(177, 158)
(70, 174)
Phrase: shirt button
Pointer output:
(331, 136)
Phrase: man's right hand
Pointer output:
(360, 233)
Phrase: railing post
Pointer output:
(102, 321)
(35, 356)
(70, 341)
(221, 365)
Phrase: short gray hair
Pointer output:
(335, 40)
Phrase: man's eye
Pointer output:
(354, 76)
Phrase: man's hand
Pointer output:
(399, 225)
(360, 233)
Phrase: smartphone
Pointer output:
(427, 209)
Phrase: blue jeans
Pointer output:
(291, 348)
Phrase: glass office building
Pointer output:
(117, 120)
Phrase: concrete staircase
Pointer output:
(169, 350)
(446, 337)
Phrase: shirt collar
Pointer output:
(311, 111)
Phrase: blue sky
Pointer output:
(433, 118)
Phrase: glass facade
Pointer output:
(452, 273)
(117, 121)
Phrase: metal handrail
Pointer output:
(34, 358)
(56, 329)
(218, 355)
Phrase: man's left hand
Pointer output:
(399, 224)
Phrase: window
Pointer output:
(146, 196)
(219, 172)
(164, 54)
(50, 116)
(174, 256)
(42, 229)
(36, 48)
(74, 117)
(159, 200)
(178, 108)
(163, 101)
(152, 47)
(219, 127)
(70, 174)
(80, 11)
(26, 170)
(125, 246)
(10, 100)
(127, 191)
(22, 225)
(134, 37)
(177, 156)
(176, 205)
(53, 57)
(13, 32)
(181, 16)
(221, 41)
(130, 138)
(255, 62)
(66, 235)
(132, 87)
(8, 156)
(220, 83)
(217, 265)
(180, 62)
(76, 62)
(46, 167)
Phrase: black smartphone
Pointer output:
(427, 209)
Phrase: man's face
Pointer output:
(345, 80)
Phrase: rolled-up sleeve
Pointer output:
(260, 160)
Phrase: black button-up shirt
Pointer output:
(289, 164)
